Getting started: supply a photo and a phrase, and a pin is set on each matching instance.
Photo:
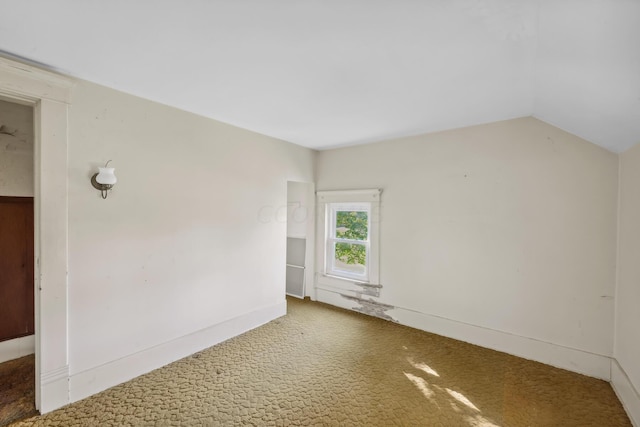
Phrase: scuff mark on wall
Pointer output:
(367, 289)
(371, 307)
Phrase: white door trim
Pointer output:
(49, 94)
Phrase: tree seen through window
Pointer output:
(352, 225)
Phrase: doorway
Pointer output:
(17, 280)
(300, 239)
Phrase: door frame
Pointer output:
(49, 94)
(310, 236)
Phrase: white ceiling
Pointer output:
(326, 73)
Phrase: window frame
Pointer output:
(324, 253)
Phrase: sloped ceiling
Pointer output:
(327, 73)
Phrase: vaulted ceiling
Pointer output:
(326, 73)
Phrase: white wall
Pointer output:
(186, 240)
(627, 334)
(299, 208)
(16, 152)
(501, 234)
(17, 347)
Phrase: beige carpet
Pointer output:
(325, 366)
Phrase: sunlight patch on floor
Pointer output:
(462, 399)
(424, 368)
(480, 421)
(421, 384)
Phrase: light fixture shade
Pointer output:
(106, 176)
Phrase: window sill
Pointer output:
(346, 279)
(328, 279)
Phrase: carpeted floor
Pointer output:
(17, 392)
(320, 365)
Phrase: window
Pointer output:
(349, 235)
(348, 244)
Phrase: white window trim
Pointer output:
(371, 196)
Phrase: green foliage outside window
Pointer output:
(352, 225)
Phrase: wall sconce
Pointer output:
(104, 180)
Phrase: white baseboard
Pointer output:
(54, 389)
(626, 392)
(91, 381)
(18, 347)
(582, 362)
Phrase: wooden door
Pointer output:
(16, 267)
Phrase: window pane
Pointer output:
(352, 225)
(351, 258)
